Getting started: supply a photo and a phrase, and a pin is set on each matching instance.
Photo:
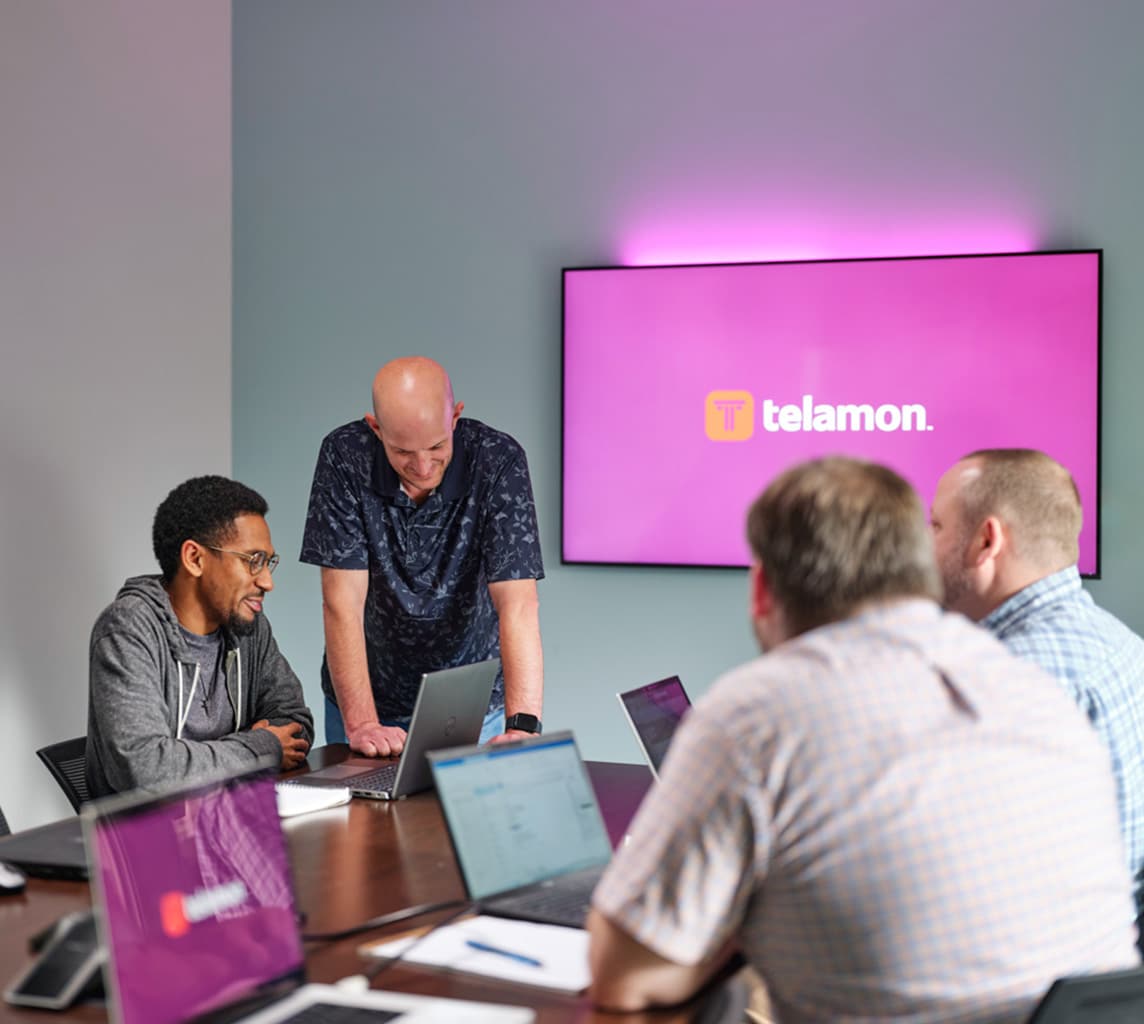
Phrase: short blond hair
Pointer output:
(1033, 494)
(836, 532)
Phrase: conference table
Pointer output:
(357, 862)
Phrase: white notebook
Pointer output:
(546, 955)
(302, 799)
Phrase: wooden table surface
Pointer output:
(354, 863)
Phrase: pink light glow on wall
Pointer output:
(727, 238)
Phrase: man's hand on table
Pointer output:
(512, 734)
(294, 746)
(376, 740)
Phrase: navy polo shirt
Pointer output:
(428, 605)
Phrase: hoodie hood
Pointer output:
(149, 591)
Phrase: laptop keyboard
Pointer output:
(331, 1013)
(566, 903)
(380, 781)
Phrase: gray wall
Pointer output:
(115, 275)
(410, 178)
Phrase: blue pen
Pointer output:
(520, 958)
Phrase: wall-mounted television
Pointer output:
(686, 389)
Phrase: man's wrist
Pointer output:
(523, 722)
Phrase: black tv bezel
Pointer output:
(636, 268)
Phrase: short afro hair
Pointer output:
(203, 509)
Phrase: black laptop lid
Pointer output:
(50, 851)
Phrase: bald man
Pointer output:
(425, 529)
(1005, 523)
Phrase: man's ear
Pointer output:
(762, 600)
(458, 408)
(191, 555)
(371, 422)
(990, 541)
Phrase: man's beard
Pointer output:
(955, 586)
(956, 579)
(239, 626)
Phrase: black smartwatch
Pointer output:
(523, 722)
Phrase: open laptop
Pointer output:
(195, 908)
(654, 713)
(450, 711)
(50, 851)
(525, 826)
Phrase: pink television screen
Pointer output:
(687, 389)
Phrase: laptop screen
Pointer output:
(655, 712)
(196, 900)
(520, 813)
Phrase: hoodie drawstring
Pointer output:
(238, 703)
(185, 710)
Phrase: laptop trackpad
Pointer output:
(346, 770)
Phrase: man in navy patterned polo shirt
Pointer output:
(425, 528)
(1005, 524)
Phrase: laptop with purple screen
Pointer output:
(654, 712)
(195, 906)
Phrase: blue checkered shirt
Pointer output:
(1055, 623)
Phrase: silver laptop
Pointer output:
(525, 825)
(654, 713)
(195, 908)
(450, 712)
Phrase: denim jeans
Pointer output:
(336, 727)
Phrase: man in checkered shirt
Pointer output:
(1006, 523)
(889, 815)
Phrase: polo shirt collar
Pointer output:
(454, 485)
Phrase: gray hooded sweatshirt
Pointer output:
(141, 674)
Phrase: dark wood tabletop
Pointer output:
(354, 863)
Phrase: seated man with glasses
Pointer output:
(185, 679)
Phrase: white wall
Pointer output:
(115, 327)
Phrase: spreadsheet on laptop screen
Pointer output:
(521, 815)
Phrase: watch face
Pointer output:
(523, 722)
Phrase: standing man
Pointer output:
(186, 680)
(425, 528)
(1005, 524)
(888, 814)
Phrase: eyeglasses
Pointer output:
(255, 562)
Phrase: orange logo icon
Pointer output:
(172, 915)
(730, 415)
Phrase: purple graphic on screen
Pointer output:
(198, 905)
(687, 389)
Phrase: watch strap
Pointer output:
(523, 722)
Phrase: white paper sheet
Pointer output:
(561, 953)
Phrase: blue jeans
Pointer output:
(336, 727)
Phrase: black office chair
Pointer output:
(65, 760)
(1116, 997)
(4, 829)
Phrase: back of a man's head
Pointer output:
(1033, 495)
(835, 533)
(204, 509)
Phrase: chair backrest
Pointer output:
(4, 829)
(1116, 997)
(66, 761)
